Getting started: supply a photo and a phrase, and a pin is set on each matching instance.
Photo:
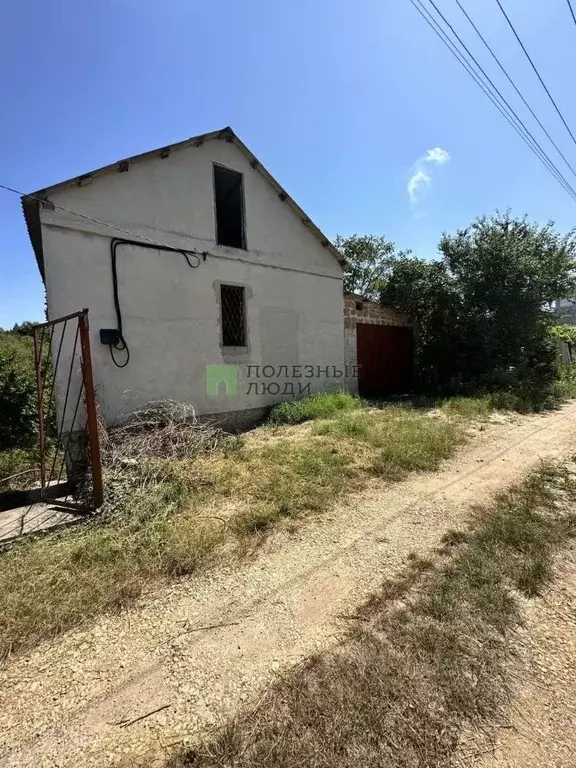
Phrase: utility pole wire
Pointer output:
(513, 84)
(109, 225)
(536, 70)
(571, 11)
(498, 101)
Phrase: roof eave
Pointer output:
(31, 209)
(31, 203)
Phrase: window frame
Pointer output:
(234, 347)
(244, 246)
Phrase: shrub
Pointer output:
(17, 394)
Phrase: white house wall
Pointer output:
(171, 313)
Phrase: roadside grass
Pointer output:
(179, 498)
(402, 439)
(53, 583)
(318, 406)
(429, 655)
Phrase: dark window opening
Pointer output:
(359, 306)
(233, 316)
(229, 199)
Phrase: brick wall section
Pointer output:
(371, 312)
(374, 314)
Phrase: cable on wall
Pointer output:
(116, 340)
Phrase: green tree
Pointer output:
(23, 329)
(17, 391)
(368, 259)
(481, 308)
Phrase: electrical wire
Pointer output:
(571, 11)
(149, 243)
(498, 100)
(122, 346)
(496, 90)
(513, 84)
(536, 70)
(107, 224)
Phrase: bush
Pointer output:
(480, 309)
(17, 392)
(319, 406)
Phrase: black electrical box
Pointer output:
(110, 336)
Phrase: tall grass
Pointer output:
(52, 584)
(318, 406)
(402, 439)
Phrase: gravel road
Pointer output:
(71, 702)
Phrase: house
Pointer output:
(205, 282)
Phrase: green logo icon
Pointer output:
(215, 374)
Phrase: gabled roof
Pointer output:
(31, 203)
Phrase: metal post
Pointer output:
(41, 432)
(91, 418)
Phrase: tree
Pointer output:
(481, 308)
(23, 329)
(368, 259)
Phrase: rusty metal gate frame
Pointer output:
(80, 323)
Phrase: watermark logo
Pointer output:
(216, 374)
(284, 380)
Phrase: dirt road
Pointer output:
(72, 702)
(540, 729)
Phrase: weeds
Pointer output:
(287, 479)
(430, 656)
(402, 439)
(54, 583)
(319, 406)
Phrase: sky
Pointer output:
(356, 108)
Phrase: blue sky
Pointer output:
(341, 101)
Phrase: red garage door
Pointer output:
(385, 359)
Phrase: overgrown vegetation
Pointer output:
(178, 493)
(483, 324)
(480, 309)
(318, 406)
(367, 263)
(17, 391)
(429, 654)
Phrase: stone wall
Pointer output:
(359, 310)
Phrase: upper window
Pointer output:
(229, 203)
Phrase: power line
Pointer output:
(495, 97)
(513, 84)
(107, 224)
(547, 161)
(571, 11)
(536, 70)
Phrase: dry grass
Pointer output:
(177, 491)
(429, 654)
(401, 439)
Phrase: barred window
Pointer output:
(233, 310)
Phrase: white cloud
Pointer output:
(420, 180)
(436, 155)
(418, 184)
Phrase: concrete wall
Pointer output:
(359, 310)
(171, 313)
